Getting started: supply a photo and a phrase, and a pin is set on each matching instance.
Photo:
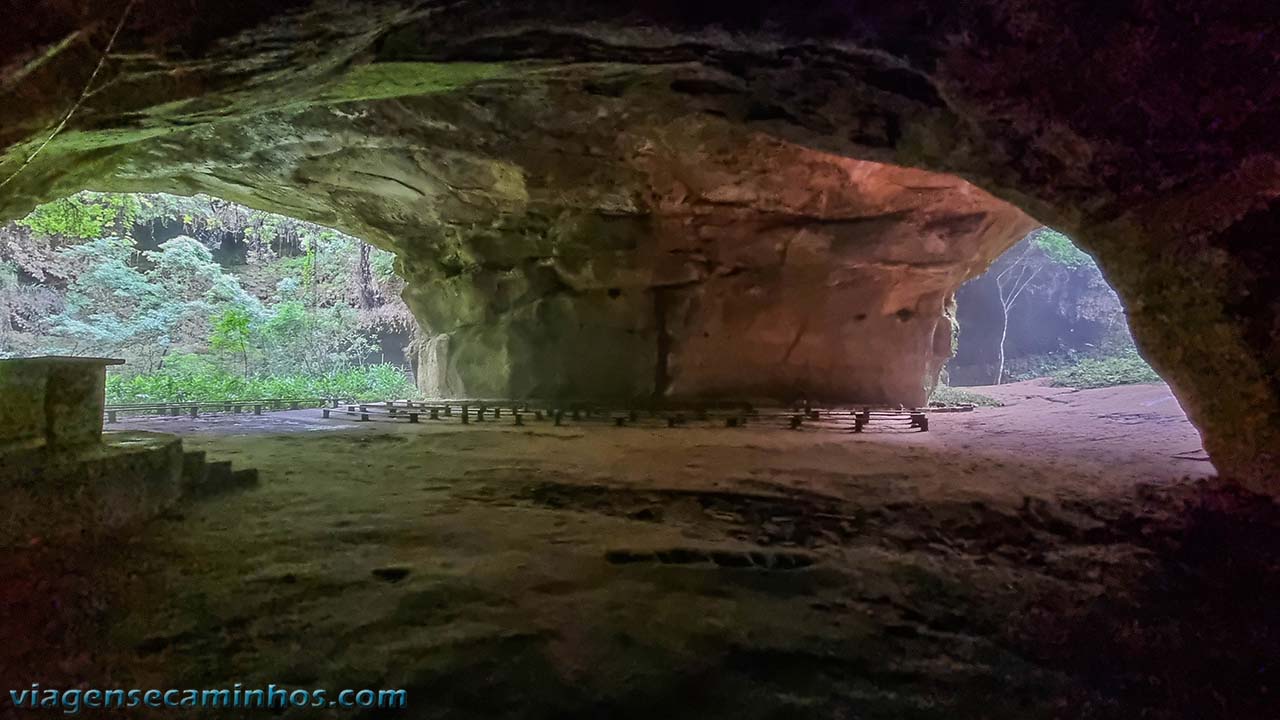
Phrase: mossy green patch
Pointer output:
(959, 396)
(399, 79)
(80, 140)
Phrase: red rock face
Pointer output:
(582, 191)
(786, 272)
(730, 266)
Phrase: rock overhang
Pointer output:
(533, 125)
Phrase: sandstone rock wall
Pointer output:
(754, 268)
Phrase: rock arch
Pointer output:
(648, 176)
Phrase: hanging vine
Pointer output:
(84, 94)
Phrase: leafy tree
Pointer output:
(315, 340)
(308, 300)
(113, 307)
(86, 215)
(232, 331)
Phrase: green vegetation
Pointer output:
(397, 79)
(193, 378)
(204, 299)
(84, 216)
(1125, 368)
(232, 330)
(959, 396)
(1115, 364)
(1059, 248)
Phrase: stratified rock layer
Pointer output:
(738, 267)
(597, 199)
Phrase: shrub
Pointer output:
(192, 378)
(959, 396)
(1124, 368)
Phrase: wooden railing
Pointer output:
(193, 408)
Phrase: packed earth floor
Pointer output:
(1065, 556)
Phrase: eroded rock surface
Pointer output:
(594, 199)
(746, 573)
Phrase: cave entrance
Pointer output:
(1043, 310)
(1042, 348)
(206, 300)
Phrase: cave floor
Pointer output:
(1068, 570)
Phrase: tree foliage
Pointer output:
(232, 331)
(149, 278)
(1060, 249)
(113, 305)
(85, 216)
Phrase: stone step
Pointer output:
(194, 470)
(247, 477)
(202, 477)
(217, 478)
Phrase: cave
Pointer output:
(713, 205)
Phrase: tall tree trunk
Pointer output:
(5, 324)
(364, 279)
(1004, 332)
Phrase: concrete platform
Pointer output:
(58, 494)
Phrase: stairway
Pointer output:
(203, 478)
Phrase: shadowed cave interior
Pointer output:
(683, 283)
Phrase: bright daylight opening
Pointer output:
(206, 301)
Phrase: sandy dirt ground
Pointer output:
(1060, 557)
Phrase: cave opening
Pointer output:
(1043, 310)
(698, 426)
(205, 300)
